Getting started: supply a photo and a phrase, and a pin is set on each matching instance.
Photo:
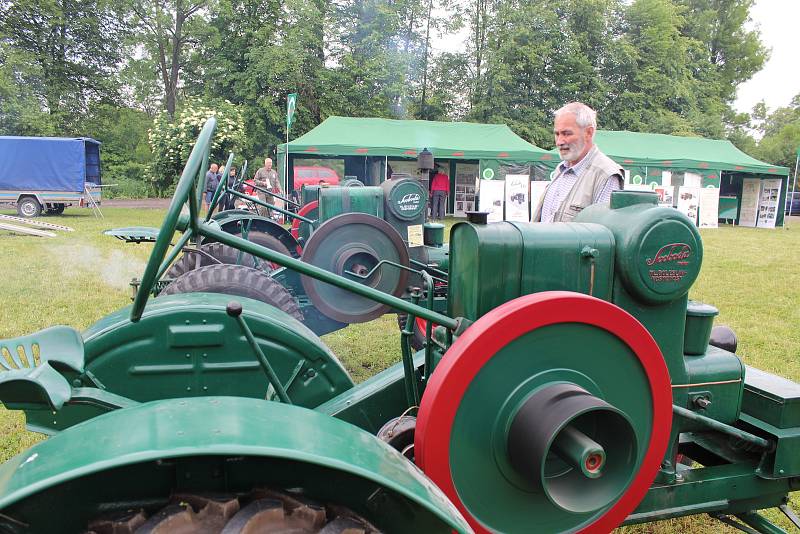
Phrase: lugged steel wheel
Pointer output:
(260, 511)
(236, 280)
(219, 252)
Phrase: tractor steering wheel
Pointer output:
(187, 185)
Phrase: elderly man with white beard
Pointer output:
(585, 176)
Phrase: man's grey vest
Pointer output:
(591, 181)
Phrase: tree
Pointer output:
(734, 52)
(167, 33)
(781, 135)
(72, 49)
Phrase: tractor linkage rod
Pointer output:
(234, 309)
(276, 195)
(307, 269)
(721, 427)
(258, 201)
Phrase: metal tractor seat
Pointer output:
(30, 367)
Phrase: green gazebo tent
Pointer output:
(356, 136)
(718, 162)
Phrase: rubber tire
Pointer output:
(58, 210)
(266, 240)
(236, 280)
(418, 339)
(223, 253)
(34, 209)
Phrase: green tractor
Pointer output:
(376, 235)
(569, 386)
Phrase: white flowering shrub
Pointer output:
(171, 141)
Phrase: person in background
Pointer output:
(228, 200)
(267, 177)
(440, 189)
(212, 181)
(585, 176)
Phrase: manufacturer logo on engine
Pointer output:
(674, 252)
(410, 197)
(677, 252)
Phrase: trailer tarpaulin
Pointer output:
(46, 163)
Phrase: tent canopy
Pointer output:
(354, 136)
(670, 151)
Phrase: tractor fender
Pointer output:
(187, 345)
(217, 444)
(236, 222)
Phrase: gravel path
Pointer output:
(162, 203)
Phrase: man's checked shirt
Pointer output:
(565, 178)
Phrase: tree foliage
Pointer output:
(172, 138)
(668, 66)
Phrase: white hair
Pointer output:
(584, 115)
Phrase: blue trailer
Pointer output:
(47, 174)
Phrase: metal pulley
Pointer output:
(526, 407)
(353, 245)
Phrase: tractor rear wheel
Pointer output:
(220, 252)
(260, 511)
(236, 280)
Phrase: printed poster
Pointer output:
(492, 194)
(537, 192)
(517, 197)
(665, 195)
(748, 211)
(708, 216)
(415, 235)
(689, 201)
(768, 202)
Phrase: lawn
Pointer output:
(78, 277)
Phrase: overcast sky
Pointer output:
(779, 81)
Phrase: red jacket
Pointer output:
(440, 182)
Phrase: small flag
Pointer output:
(291, 105)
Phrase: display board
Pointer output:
(768, 202)
(708, 216)
(751, 192)
(517, 193)
(537, 192)
(465, 192)
(689, 201)
(665, 195)
(492, 194)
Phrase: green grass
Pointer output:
(78, 277)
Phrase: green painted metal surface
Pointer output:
(371, 403)
(771, 398)
(699, 322)
(719, 376)
(216, 444)
(406, 200)
(335, 201)
(576, 353)
(494, 263)
(186, 345)
(27, 373)
(729, 488)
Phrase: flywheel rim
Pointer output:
(489, 335)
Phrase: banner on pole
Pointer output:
(291, 105)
